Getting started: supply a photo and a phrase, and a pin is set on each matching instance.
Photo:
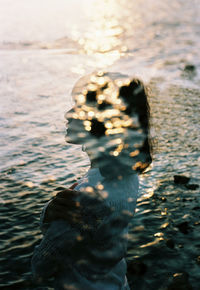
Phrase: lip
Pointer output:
(68, 121)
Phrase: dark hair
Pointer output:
(134, 99)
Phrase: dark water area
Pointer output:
(42, 56)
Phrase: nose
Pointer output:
(68, 114)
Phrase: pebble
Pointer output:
(137, 267)
(192, 186)
(196, 208)
(189, 68)
(181, 179)
(170, 243)
(183, 227)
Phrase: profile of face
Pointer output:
(106, 121)
(75, 128)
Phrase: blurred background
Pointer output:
(45, 47)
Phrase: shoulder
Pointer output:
(123, 185)
(122, 193)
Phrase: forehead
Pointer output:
(99, 94)
(97, 80)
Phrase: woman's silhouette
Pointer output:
(85, 230)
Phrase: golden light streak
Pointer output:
(103, 40)
(114, 131)
(159, 234)
(163, 226)
(119, 148)
(156, 241)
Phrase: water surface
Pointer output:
(45, 48)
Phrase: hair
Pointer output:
(103, 93)
(137, 99)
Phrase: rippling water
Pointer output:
(44, 49)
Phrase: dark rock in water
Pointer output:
(189, 68)
(181, 179)
(196, 208)
(192, 186)
(180, 282)
(170, 243)
(183, 227)
(137, 267)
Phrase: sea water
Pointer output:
(45, 47)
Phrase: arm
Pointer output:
(58, 235)
(59, 242)
(104, 243)
(50, 254)
(59, 207)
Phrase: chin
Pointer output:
(70, 140)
